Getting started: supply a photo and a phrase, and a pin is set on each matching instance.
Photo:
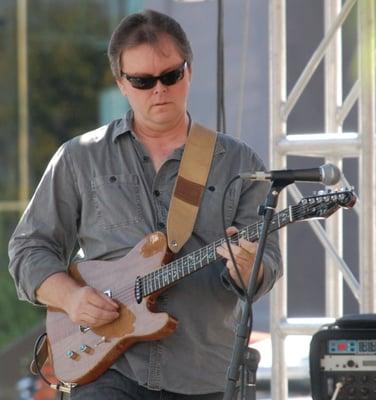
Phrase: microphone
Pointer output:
(328, 174)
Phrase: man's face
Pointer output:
(161, 105)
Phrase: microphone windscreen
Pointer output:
(330, 174)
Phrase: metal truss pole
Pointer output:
(23, 114)
(333, 100)
(333, 145)
(23, 106)
(367, 129)
(277, 95)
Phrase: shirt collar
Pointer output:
(125, 124)
(122, 126)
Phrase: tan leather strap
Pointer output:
(190, 185)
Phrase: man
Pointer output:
(109, 188)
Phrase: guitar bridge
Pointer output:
(84, 329)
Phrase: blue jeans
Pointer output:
(114, 386)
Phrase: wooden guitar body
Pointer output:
(80, 355)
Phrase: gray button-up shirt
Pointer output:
(102, 191)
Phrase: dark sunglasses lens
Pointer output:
(168, 79)
(172, 77)
(142, 83)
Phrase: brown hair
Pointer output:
(146, 27)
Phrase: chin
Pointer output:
(165, 114)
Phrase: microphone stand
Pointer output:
(243, 356)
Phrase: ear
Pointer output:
(190, 73)
(122, 87)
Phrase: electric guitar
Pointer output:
(80, 354)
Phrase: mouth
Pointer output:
(162, 103)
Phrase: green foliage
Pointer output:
(68, 69)
(16, 317)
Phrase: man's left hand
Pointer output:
(244, 255)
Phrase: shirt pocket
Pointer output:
(209, 219)
(117, 200)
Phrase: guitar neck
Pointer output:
(192, 262)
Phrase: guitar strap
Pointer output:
(40, 357)
(190, 185)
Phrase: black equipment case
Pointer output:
(344, 352)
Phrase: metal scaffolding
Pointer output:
(333, 145)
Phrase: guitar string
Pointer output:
(155, 281)
(176, 268)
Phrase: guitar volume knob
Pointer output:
(84, 348)
(71, 354)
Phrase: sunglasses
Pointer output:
(148, 82)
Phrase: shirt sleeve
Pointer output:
(253, 194)
(45, 237)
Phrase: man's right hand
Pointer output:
(84, 305)
(89, 307)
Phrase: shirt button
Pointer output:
(157, 193)
(161, 225)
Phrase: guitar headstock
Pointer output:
(325, 203)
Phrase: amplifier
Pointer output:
(343, 359)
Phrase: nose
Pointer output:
(160, 87)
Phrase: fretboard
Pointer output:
(196, 260)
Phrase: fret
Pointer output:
(202, 256)
(151, 290)
(154, 281)
(291, 219)
(148, 286)
(191, 260)
(279, 219)
(157, 280)
(234, 240)
(212, 253)
(199, 259)
(182, 269)
(174, 274)
(185, 268)
(253, 234)
(185, 263)
(249, 233)
(167, 271)
(165, 277)
(285, 218)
